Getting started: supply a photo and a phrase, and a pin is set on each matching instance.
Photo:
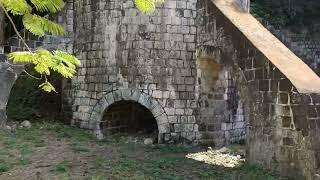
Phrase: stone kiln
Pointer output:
(203, 71)
(153, 60)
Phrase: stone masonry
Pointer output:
(153, 61)
(305, 44)
(201, 75)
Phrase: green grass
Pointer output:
(77, 147)
(4, 166)
(62, 167)
(114, 158)
(75, 134)
(18, 147)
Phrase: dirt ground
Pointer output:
(54, 151)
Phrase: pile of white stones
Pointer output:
(217, 157)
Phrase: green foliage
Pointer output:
(39, 26)
(32, 22)
(52, 6)
(147, 6)
(44, 61)
(17, 7)
(284, 13)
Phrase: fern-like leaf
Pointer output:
(16, 7)
(145, 6)
(21, 57)
(39, 25)
(68, 57)
(47, 86)
(52, 6)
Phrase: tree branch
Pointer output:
(31, 75)
(14, 27)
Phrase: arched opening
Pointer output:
(130, 118)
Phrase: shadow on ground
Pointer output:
(55, 151)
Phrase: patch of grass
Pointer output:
(134, 161)
(166, 148)
(101, 162)
(62, 167)
(96, 178)
(253, 172)
(32, 136)
(18, 147)
(75, 134)
(76, 147)
(25, 161)
(116, 158)
(4, 167)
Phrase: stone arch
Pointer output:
(130, 95)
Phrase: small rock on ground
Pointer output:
(148, 141)
(26, 124)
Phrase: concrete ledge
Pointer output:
(300, 75)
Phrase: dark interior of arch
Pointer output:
(128, 117)
(28, 102)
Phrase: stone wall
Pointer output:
(221, 116)
(282, 123)
(304, 44)
(120, 48)
(201, 76)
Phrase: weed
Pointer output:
(61, 167)
(4, 167)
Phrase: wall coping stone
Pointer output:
(299, 73)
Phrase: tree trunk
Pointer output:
(2, 25)
(2, 99)
(8, 74)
